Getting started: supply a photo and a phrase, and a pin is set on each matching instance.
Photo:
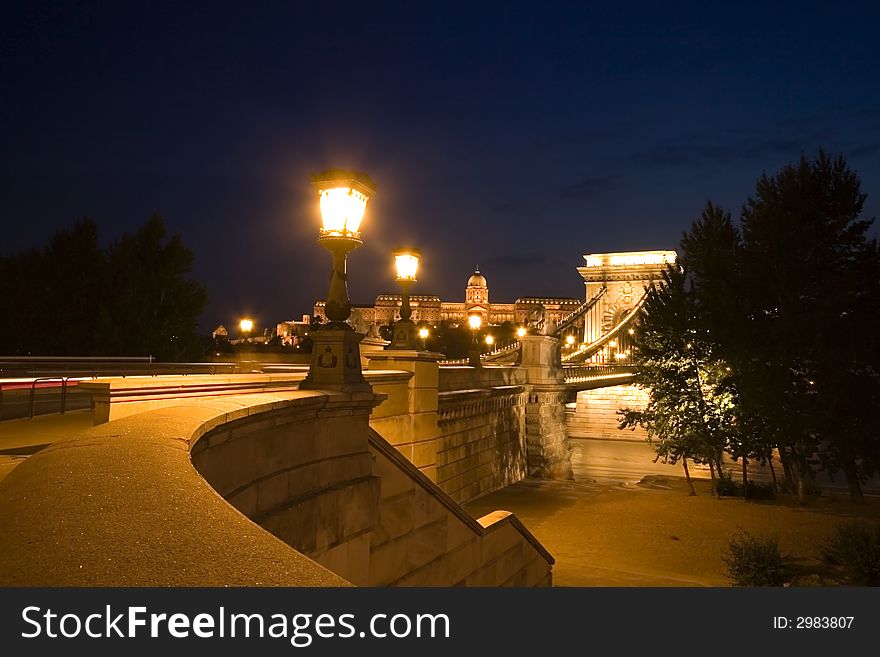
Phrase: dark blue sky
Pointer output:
(516, 136)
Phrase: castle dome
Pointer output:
(477, 280)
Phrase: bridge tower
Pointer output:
(625, 275)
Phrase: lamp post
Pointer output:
(246, 326)
(490, 340)
(336, 363)
(406, 262)
(475, 321)
(521, 331)
(423, 334)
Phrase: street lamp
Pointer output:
(490, 340)
(336, 363)
(246, 326)
(569, 340)
(475, 322)
(423, 334)
(521, 332)
(406, 262)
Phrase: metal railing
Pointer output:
(588, 373)
(33, 397)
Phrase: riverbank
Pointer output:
(653, 534)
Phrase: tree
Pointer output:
(804, 250)
(791, 302)
(73, 298)
(688, 408)
(154, 308)
(50, 296)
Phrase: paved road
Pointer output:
(23, 437)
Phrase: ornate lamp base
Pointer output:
(336, 362)
(405, 336)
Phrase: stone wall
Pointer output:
(408, 417)
(596, 416)
(423, 537)
(322, 481)
(481, 447)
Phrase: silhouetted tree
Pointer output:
(133, 298)
(792, 303)
(154, 308)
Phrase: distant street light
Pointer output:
(406, 262)
(569, 340)
(246, 326)
(521, 331)
(475, 322)
(490, 341)
(336, 362)
(423, 334)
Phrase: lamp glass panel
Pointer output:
(342, 210)
(407, 264)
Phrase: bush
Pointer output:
(754, 561)
(855, 550)
(727, 486)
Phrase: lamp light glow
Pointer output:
(406, 261)
(490, 340)
(423, 333)
(342, 210)
(569, 340)
(246, 325)
(475, 322)
(521, 331)
(343, 199)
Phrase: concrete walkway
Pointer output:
(23, 437)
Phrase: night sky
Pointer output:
(516, 136)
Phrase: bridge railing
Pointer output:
(578, 312)
(583, 373)
(88, 366)
(587, 351)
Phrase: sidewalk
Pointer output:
(22, 437)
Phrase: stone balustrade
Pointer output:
(309, 495)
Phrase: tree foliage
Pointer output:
(789, 300)
(690, 406)
(133, 298)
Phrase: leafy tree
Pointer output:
(49, 297)
(689, 410)
(791, 302)
(805, 250)
(154, 308)
(73, 298)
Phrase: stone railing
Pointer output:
(133, 502)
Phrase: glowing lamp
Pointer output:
(343, 199)
(475, 322)
(521, 331)
(423, 333)
(406, 262)
(569, 340)
(246, 325)
(490, 340)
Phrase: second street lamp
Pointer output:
(475, 322)
(406, 262)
